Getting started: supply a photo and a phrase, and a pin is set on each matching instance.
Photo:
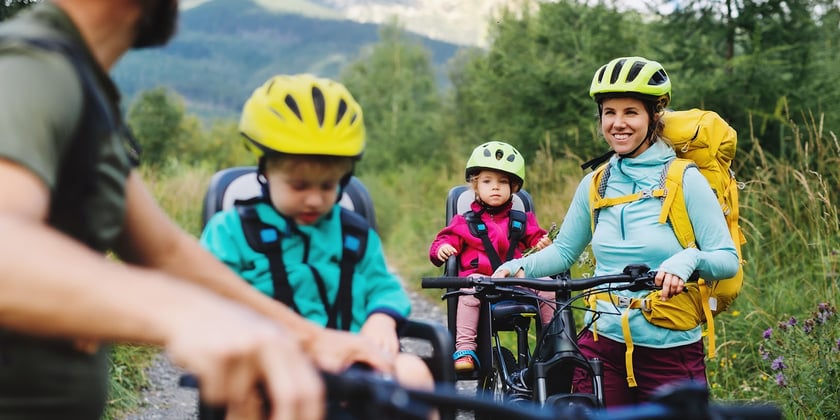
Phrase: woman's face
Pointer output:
(624, 122)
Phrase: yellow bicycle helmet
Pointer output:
(302, 115)
(632, 76)
(498, 156)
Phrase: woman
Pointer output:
(631, 94)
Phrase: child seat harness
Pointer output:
(267, 239)
(517, 221)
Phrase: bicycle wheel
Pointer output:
(493, 385)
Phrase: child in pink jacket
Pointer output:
(496, 171)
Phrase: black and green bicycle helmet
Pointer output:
(632, 76)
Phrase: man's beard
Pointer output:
(157, 24)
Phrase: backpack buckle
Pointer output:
(624, 301)
(646, 193)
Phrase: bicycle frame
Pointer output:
(543, 376)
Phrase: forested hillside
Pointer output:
(224, 48)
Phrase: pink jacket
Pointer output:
(472, 258)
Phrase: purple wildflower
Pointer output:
(823, 307)
(837, 344)
(765, 354)
(780, 380)
(778, 363)
(792, 321)
(767, 333)
(783, 326)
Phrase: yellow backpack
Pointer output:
(703, 139)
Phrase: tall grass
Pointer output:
(793, 252)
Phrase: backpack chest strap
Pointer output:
(601, 202)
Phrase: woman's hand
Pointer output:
(671, 284)
(504, 272)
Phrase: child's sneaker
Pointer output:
(465, 360)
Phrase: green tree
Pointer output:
(531, 86)
(394, 82)
(156, 118)
(761, 64)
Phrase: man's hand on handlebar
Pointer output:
(237, 355)
(334, 351)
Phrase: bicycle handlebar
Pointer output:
(685, 401)
(637, 277)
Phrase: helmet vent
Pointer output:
(616, 71)
(601, 74)
(290, 102)
(318, 102)
(635, 70)
(511, 158)
(486, 153)
(499, 154)
(658, 78)
(342, 109)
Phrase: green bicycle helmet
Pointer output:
(632, 76)
(498, 156)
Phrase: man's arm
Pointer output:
(152, 239)
(54, 286)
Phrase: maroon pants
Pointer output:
(652, 367)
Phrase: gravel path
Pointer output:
(166, 400)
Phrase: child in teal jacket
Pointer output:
(308, 133)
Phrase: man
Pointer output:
(69, 192)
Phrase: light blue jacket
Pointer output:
(631, 234)
(375, 289)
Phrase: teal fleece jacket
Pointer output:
(631, 234)
(375, 289)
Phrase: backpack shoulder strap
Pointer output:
(355, 230)
(673, 204)
(267, 239)
(596, 192)
(77, 170)
(517, 224)
(479, 229)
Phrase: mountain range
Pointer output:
(226, 48)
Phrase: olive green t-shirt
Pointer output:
(64, 125)
(45, 114)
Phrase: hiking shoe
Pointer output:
(465, 360)
(464, 364)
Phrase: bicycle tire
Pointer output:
(492, 386)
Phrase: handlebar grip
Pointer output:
(445, 282)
